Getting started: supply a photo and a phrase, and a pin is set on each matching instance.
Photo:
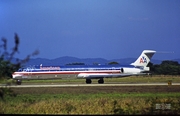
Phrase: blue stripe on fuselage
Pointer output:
(74, 68)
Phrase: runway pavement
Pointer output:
(78, 85)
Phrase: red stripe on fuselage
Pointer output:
(64, 72)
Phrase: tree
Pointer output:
(110, 63)
(167, 68)
(7, 65)
(170, 68)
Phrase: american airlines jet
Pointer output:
(88, 72)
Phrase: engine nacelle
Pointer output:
(131, 70)
(146, 69)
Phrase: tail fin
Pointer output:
(144, 58)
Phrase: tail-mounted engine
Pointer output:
(122, 70)
(130, 70)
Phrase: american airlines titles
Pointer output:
(50, 68)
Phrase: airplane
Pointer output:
(88, 72)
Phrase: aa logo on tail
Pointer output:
(143, 60)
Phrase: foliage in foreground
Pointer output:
(101, 103)
(9, 64)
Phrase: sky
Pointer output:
(109, 29)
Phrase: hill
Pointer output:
(87, 61)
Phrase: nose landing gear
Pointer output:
(18, 82)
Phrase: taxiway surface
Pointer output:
(78, 85)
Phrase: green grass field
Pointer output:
(99, 103)
(131, 79)
(94, 100)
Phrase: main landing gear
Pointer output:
(100, 81)
(88, 81)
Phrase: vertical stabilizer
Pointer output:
(144, 58)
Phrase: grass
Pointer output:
(131, 79)
(93, 100)
(101, 103)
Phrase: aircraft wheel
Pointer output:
(101, 81)
(88, 81)
(18, 82)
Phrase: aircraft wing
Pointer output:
(106, 75)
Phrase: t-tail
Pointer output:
(144, 59)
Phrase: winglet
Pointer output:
(144, 58)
